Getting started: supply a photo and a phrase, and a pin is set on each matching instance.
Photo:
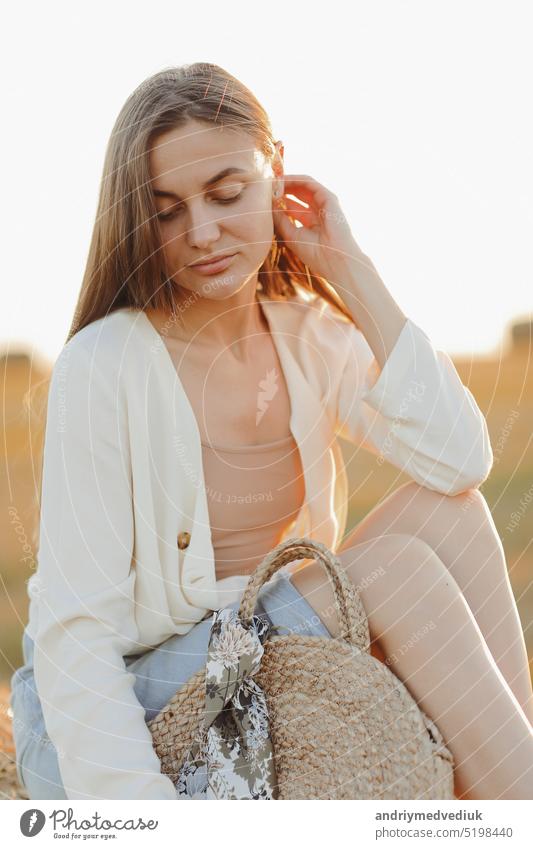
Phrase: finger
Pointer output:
(315, 201)
(306, 187)
(303, 214)
(284, 227)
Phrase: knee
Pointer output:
(399, 560)
(472, 497)
(412, 581)
(416, 577)
(410, 559)
(467, 508)
(470, 511)
(470, 501)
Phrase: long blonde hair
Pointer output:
(124, 265)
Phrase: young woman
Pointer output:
(228, 329)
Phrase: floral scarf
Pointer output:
(232, 755)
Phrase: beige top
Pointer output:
(254, 493)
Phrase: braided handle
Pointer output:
(353, 622)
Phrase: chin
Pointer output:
(219, 287)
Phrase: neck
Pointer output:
(231, 323)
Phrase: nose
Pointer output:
(203, 229)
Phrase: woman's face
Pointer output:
(213, 194)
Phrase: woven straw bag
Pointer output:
(342, 725)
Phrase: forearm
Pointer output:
(372, 306)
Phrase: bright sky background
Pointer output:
(417, 115)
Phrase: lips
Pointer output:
(215, 266)
(210, 261)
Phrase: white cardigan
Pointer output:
(123, 477)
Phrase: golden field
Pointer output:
(503, 388)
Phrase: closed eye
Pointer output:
(164, 216)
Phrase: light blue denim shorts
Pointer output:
(160, 673)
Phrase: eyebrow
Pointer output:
(227, 172)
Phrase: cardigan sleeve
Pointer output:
(415, 412)
(86, 577)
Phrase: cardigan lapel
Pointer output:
(309, 423)
(177, 449)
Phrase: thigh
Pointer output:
(366, 563)
(159, 674)
(36, 758)
(162, 671)
(288, 610)
(40, 772)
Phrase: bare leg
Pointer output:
(449, 671)
(461, 531)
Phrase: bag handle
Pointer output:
(353, 621)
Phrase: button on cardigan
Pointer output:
(125, 554)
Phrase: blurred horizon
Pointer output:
(517, 330)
